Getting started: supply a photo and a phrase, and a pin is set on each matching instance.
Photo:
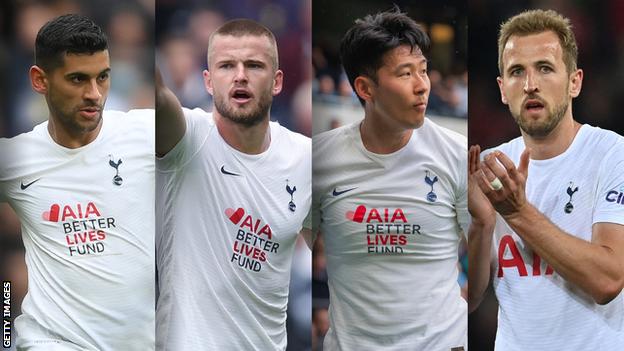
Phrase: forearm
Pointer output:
(479, 248)
(170, 124)
(594, 268)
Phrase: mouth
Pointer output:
(420, 106)
(241, 96)
(534, 105)
(90, 112)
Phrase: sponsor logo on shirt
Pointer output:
(615, 196)
(509, 257)
(254, 240)
(84, 227)
(387, 229)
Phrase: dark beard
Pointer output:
(249, 119)
(69, 122)
(543, 130)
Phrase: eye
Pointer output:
(103, 77)
(226, 65)
(76, 79)
(516, 72)
(546, 69)
(405, 74)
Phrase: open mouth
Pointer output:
(241, 95)
(533, 105)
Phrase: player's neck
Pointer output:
(64, 137)
(380, 138)
(251, 140)
(555, 143)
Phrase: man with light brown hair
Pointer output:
(234, 190)
(556, 221)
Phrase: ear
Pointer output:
(278, 82)
(207, 81)
(499, 80)
(576, 82)
(38, 79)
(364, 88)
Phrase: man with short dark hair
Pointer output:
(555, 222)
(235, 191)
(389, 196)
(82, 184)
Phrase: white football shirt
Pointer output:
(87, 219)
(392, 225)
(539, 310)
(228, 223)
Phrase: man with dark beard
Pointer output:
(234, 191)
(82, 184)
(556, 221)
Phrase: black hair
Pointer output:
(67, 34)
(364, 45)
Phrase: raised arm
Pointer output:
(170, 124)
(480, 233)
(597, 267)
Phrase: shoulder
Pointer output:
(22, 149)
(332, 139)
(438, 140)
(511, 148)
(291, 140)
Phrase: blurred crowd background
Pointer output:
(129, 25)
(335, 103)
(599, 30)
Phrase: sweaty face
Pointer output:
(535, 83)
(399, 98)
(242, 78)
(77, 92)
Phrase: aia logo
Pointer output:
(247, 222)
(62, 212)
(385, 215)
(513, 259)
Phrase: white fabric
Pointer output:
(211, 221)
(407, 298)
(539, 310)
(89, 243)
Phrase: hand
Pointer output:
(511, 198)
(479, 206)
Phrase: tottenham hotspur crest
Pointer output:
(571, 190)
(117, 180)
(431, 196)
(291, 191)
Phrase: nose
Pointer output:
(530, 83)
(240, 74)
(421, 84)
(92, 91)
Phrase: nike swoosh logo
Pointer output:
(228, 173)
(338, 193)
(24, 186)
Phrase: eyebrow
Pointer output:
(410, 64)
(82, 74)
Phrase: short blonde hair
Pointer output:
(242, 27)
(538, 21)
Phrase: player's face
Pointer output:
(242, 78)
(535, 83)
(77, 91)
(402, 90)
